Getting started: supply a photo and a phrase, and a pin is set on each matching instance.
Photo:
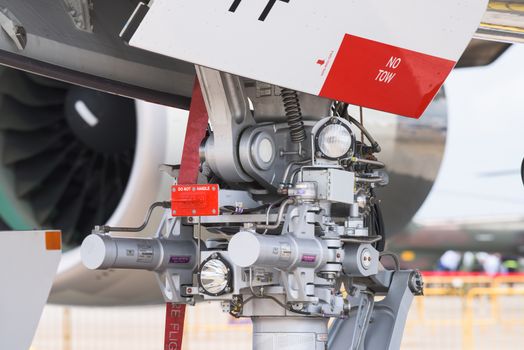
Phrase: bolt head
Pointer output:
(365, 259)
(297, 306)
(416, 283)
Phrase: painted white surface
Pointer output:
(284, 49)
(26, 276)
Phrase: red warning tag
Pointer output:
(196, 128)
(174, 331)
(194, 200)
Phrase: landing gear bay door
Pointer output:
(390, 55)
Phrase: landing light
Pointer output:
(215, 276)
(334, 139)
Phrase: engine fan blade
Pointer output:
(60, 169)
(104, 192)
(19, 117)
(45, 200)
(23, 145)
(17, 85)
(69, 216)
(98, 204)
(31, 173)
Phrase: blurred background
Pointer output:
(458, 311)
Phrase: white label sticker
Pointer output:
(145, 253)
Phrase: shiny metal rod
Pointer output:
(503, 21)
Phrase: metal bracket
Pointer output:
(229, 115)
(171, 281)
(366, 302)
(80, 13)
(12, 26)
(385, 325)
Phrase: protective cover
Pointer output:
(390, 55)
(28, 262)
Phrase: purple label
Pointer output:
(309, 258)
(176, 259)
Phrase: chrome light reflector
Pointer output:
(215, 275)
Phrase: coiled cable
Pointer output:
(293, 115)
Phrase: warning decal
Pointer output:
(386, 78)
(194, 200)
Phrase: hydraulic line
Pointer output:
(342, 109)
(369, 180)
(107, 229)
(280, 216)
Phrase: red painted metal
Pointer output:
(195, 133)
(385, 77)
(175, 314)
(194, 200)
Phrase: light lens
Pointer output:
(214, 276)
(334, 140)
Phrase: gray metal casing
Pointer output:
(330, 182)
(353, 263)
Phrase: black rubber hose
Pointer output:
(381, 245)
(374, 143)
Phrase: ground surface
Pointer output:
(435, 322)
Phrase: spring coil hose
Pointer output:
(294, 115)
